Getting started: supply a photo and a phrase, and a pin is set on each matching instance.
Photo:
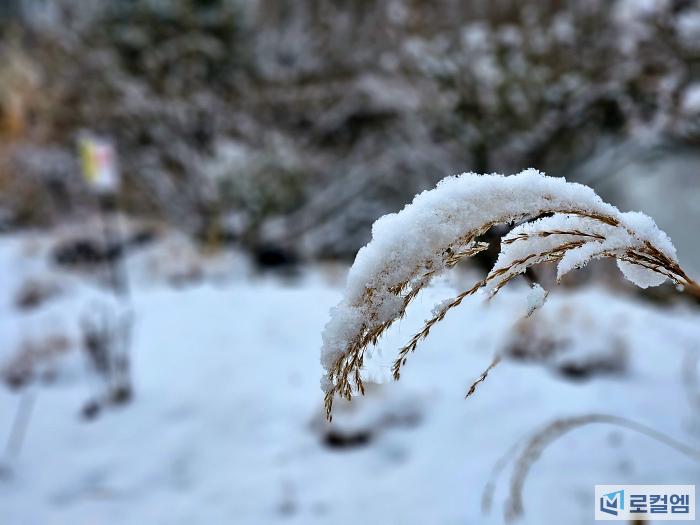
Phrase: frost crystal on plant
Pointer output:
(569, 224)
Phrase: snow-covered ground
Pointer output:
(226, 427)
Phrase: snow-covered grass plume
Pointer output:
(561, 221)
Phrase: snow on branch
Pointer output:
(561, 221)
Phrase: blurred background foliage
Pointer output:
(296, 123)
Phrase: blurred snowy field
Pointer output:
(225, 425)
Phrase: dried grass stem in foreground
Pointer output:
(559, 221)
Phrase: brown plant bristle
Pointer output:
(553, 254)
(483, 376)
(548, 233)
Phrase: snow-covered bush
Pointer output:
(375, 101)
(560, 221)
(157, 77)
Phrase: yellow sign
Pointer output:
(98, 164)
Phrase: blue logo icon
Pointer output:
(613, 502)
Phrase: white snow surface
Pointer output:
(222, 426)
(406, 244)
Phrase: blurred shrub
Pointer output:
(154, 76)
(36, 358)
(353, 106)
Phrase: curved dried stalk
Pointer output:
(553, 228)
(498, 468)
(532, 450)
